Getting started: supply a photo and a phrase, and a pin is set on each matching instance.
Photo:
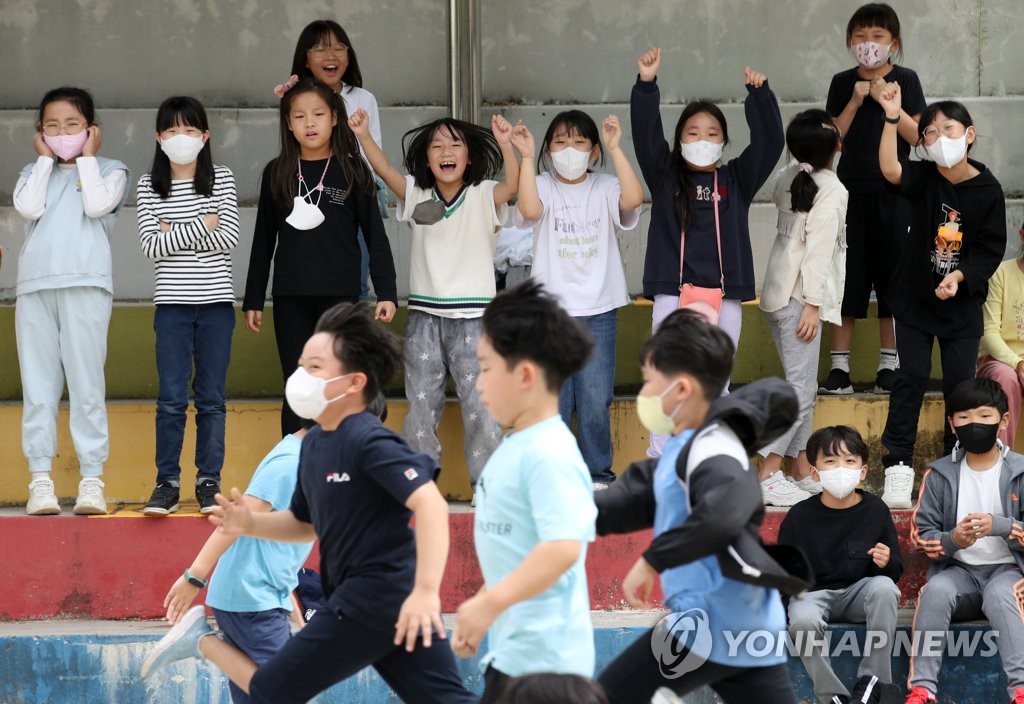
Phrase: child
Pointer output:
(535, 508)
(969, 522)
(803, 286)
(70, 199)
(1002, 346)
(455, 213)
(703, 500)
(685, 205)
(851, 542)
(876, 222)
(552, 688)
(250, 593)
(957, 239)
(324, 51)
(188, 224)
(574, 214)
(314, 198)
(359, 486)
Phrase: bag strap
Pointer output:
(718, 239)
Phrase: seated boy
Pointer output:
(359, 485)
(534, 501)
(968, 520)
(850, 539)
(704, 502)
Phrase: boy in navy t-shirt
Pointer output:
(359, 485)
(534, 501)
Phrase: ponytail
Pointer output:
(812, 139)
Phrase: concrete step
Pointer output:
(68, 662)
(121, 566)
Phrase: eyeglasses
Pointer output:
(52, 129)
(949, 129)
(323, 49)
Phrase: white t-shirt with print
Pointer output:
(575, 251)
(979, 493)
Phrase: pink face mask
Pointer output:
(67, 146)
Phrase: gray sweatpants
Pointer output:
(434, 348)
(872, 601)
(800, 362)
(962, 592)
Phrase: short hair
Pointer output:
(525, 323)
(79, 98)
(686, 343)
(975, 393)
(950, 108)
(485, 158)
(362, 345)
(572, 121)
(877, 14)
(552, 688)
(832, 439)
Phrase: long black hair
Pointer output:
(344, 147)
(319, 31)
(79, 99)
(188, 112)
(571, 121)
(812, 139)
(485, 159)
(682, 170)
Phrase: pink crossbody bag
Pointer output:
(703, 300)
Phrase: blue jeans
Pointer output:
(588, 393)
(258, 634)
(187, 335)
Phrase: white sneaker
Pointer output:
(899, 483)
(41, 499)
(90, 498)
(777, 490)
(808, 484)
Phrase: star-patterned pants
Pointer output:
(434, 348)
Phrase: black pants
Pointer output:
(331, 648)
(914, 347)
(876, 224)
(634, 677)
(494, 685)
(295, 318)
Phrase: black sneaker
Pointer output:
(205, 491)
(884, 381)
(868, 690)
(837, 382)
(164, 500)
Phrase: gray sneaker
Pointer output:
(180, 643)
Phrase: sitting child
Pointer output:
(850, 539)
(969, 522)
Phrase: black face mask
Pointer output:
(977, 438)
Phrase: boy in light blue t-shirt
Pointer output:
(250, 593)
(535, 508)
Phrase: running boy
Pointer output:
(704, 501)
(970, 523)
(359, 485)
(850, 540)
(535, 501)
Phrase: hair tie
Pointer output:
(805, 167)
(281, 88)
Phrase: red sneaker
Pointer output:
(1018, 696)
(920, 695)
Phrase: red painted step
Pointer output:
(120, 567)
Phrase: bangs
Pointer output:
(874, 15)
(185, 112)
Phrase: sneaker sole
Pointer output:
(880, 390)
(206, 510)
(785, 503)
(88, 510)
(171, 638)
(43, 511)
(844, 391)
(897, 504)
(157, 511)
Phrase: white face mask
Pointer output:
(839, 482)
(651, 414)
(871, 55)
(702, 153)
(570, 163)
(304, 215)
(182, 149)
(947, 151)
(306, 394)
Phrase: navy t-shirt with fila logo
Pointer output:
(353, 485)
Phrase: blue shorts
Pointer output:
(258, 634)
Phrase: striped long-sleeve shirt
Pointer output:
(192, 264)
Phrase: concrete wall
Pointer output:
(537, 56)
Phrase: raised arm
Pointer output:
(653, 153)
(360, 124)
(888, 156)
(529, 203)
(756, 163)
(505, 190)
(631, 192)
(907, 127)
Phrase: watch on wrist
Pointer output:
(891, 120)
(194, 581)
